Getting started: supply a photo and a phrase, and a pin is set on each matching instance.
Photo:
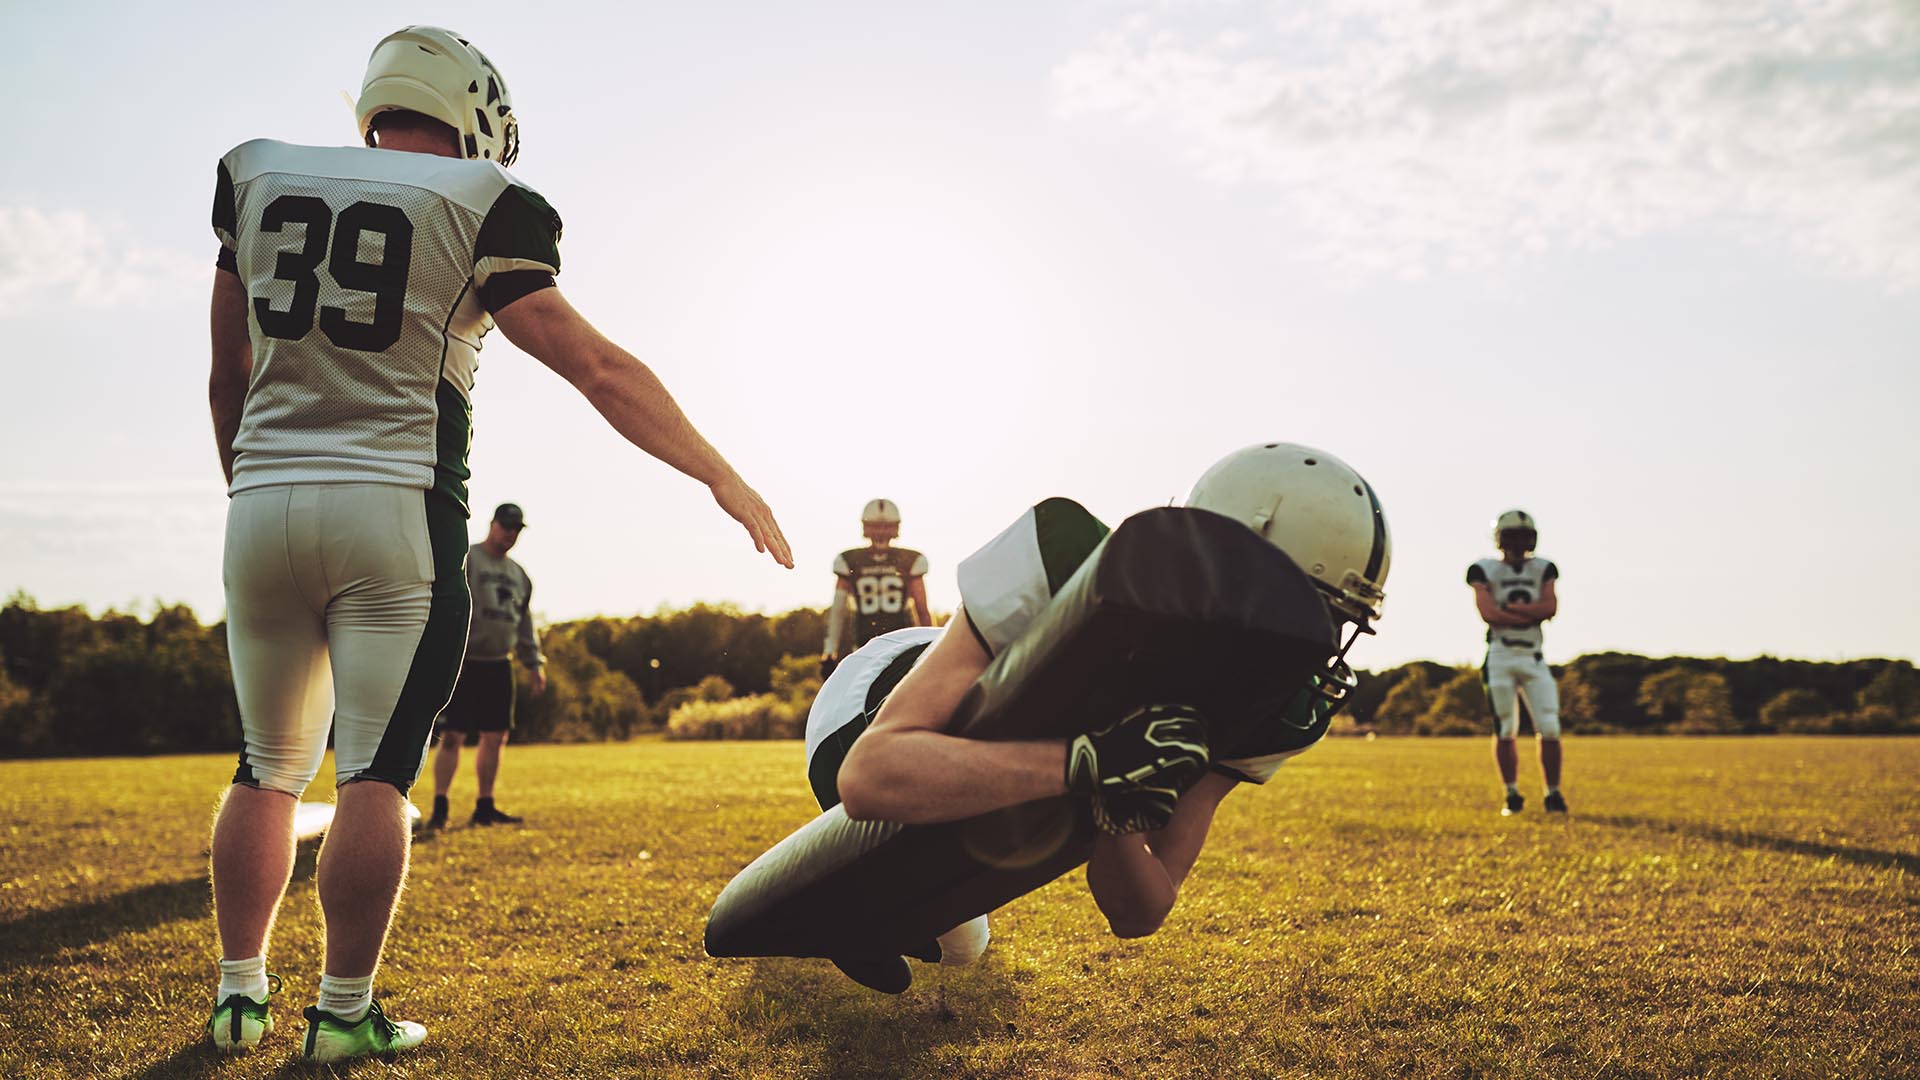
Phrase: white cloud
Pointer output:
(1418, 136)
(68, 257)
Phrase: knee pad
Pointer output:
(1547, 725)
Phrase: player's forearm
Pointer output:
(920, 777)
(1534, 611)
(226, 400)
(632, 399)
(1130, 885)
(232, 364)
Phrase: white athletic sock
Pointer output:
(247, 977)
(1513, 789)
(1554, 790)
(347, 999)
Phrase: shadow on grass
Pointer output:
(853, 1032)
(35, 938)
(1873, 857)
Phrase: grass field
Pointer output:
(1714, 907)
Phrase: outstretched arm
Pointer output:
(634, 401)
(1136, 878)
(232, 362)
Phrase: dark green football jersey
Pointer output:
(877, 577)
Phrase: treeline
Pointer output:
(1621, 693)
(72, 683)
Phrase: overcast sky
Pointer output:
(1648, 269)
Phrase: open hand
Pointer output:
(744, 505)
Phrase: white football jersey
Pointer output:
(1521, 584)
(369, 276)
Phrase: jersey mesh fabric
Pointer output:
(320, 410)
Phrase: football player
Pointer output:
(877, 737)
(1515, 594)
(351, 292)
(885, 586)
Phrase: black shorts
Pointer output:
(483, 699)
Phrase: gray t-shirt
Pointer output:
(502, 620)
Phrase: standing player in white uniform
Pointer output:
(1515, 594)
(351, 292)
(885, 586)
(876, 736)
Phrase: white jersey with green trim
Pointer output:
(367, 275)
(1512, 584)
(1006, 584)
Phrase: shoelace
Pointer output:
(379, 1019)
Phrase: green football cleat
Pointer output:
(239, 1023)
(330, 1038)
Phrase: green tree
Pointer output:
(1796, 709)
(1405, 703)
(584, 702)
(1459, 707)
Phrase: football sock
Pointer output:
(247, 977)
(347, 999)
(1513, 789)
(1554, 790)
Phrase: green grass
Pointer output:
(1715, 907)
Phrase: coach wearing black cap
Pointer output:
(502, 628)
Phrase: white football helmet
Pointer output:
(880, 512)
(1324, 516)
(438, 73)
(1515, 521)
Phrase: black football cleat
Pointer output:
(889, 975)
(1556, 803)
(1514, 802)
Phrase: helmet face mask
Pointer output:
(439, 74)
(1326, 518)
(1514, 530)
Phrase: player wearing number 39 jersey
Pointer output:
(351, 293)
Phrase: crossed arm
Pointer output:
(1525, 614)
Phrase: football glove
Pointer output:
(1136, 770)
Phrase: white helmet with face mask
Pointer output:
(1325, 517)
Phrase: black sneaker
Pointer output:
(487, 815)
(889, 975)
(1556, 803)
(438, 819)
(1514, 802)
